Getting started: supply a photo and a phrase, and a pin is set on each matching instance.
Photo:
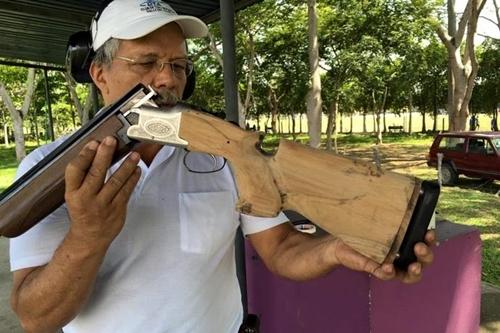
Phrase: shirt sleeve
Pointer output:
(252, 224)
(36, 246)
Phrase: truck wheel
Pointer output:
(448, 175)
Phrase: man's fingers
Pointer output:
(424, 254)
(384, 272)
(102, 161)
(121, 178)
(431, 238)
(123, 195)
(77, 169)
(355, 260)
(414, 273)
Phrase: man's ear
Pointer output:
(97, 74)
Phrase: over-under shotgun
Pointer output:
(379, 213)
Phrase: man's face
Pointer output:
(165, 44)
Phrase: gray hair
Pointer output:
(105, 54)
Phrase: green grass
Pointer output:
(472, 202)
(8, 163)
(8, 166)
(476, 205)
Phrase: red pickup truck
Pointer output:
(473, 154)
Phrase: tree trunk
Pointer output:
(435, 107)
(364, 121)
(5, 129)
(18, 115)
(385, 121)
(341, 127)
(6, 134)
(37, 136)
(332, 126)
(378, 109)
(314, 94)
(217, 54)
(497, 12)
(463, 66)
(84, 110)
(273, 106)
(249, 73)
(410, 106)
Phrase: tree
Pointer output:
(463, 65)
(497, 12)
(487, 91)
(84, 111)
(18, 115)
(314, 103)
(341, 30)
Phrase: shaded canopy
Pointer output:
(38, 30)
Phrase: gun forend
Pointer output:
(41, 190)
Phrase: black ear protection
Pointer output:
(79, 56)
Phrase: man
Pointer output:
(147, 246)
(472, 123)
(494, 124)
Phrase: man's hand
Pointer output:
(97, 208)
(353, 260)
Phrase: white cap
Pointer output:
(131, 19)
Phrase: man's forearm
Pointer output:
(299, 256)
(51, 296)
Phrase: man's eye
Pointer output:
(179, 66)
(147, 65)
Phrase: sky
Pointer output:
(484, 26)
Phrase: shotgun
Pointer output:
(379, 213)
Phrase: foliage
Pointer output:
(65, 118)
(487, 90)
(14, 79)
(367, 49)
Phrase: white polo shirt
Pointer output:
(172, 267)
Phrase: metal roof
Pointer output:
(38, 30)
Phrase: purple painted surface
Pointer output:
(335, 303)
(447, 300)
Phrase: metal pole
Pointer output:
(49, 106)
(231, 99)
(229, 58)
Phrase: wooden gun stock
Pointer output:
(368, 208)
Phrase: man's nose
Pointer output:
(165, 78)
